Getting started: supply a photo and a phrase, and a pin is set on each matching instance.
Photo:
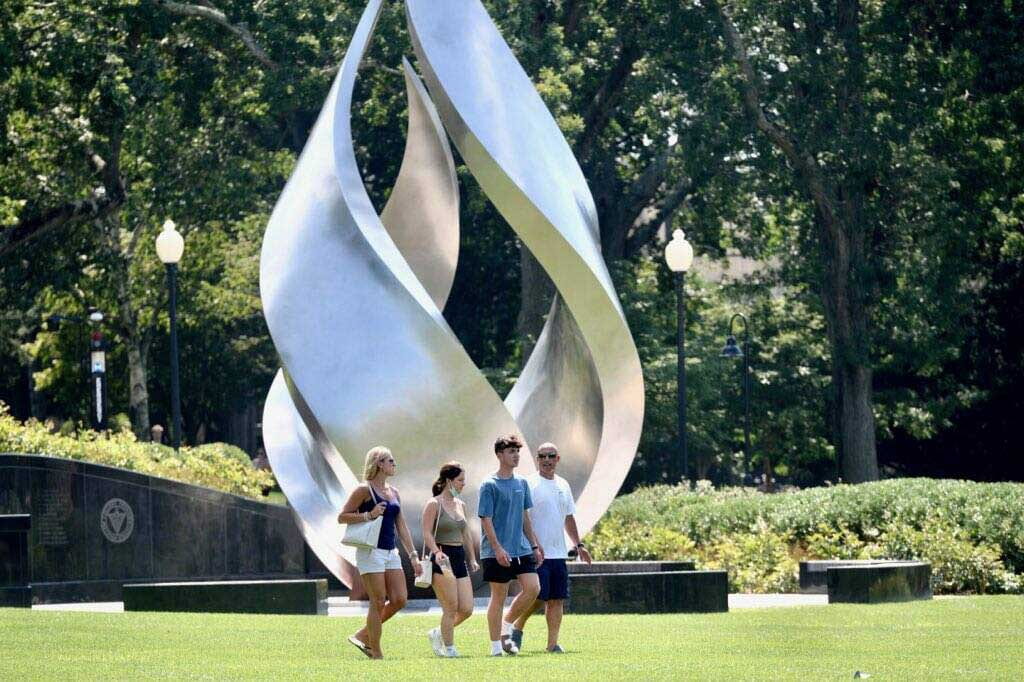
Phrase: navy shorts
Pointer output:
(554, 580)
(496, 573)
(456, 557)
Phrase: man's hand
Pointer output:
(538, 555)
(502, 556)
(584, 554)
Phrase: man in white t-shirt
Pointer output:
(551, 518)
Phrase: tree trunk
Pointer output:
(138, 393)
(536, 291)
(857, 426)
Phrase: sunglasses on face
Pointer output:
(547, 455)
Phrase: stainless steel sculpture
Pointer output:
(353, 300)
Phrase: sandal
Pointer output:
(362, 647)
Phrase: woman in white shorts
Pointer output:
(381, 567)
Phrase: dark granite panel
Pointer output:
(245, 546)
(262, 596)
(891, 582)
(813, 577)
(284, 548)
(16, 597)
(14, 558)
(119, 530)
(578, 567)
(661, 592)
(13, 523)
(188, 536)
(58, 538)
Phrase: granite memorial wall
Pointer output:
(96, 527)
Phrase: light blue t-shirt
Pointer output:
(504, 500)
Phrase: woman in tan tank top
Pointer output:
(447, 539)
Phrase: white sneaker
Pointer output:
(435, 641)
(451, 652)
(508, 646)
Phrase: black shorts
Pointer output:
(554, 580)
(456, 557)
(496, 573)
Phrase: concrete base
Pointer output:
(873, 584)
(664, 592)
(253, 596)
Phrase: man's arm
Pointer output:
(499, 552)
(574, 535)
(538, 551)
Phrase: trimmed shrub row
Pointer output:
(973, 533)
(215, 465)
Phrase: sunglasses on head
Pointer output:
(547, 455)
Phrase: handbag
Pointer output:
(364, 534)
(426, 576)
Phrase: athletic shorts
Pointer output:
(377, 560)
(456, 557)
(554, 580)
(496, 573)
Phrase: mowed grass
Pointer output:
(957, 638)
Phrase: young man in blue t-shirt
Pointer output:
(509, 548)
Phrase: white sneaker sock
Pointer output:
(506, 629)
(495, 647)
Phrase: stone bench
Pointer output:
(890, 581)
(14, 566)
(650, 592)
(230, 596)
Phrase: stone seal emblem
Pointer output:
(117, 520)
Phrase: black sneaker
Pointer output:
(517, 637)
(556, 650)
(508, 646)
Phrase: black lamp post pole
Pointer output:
(172, 286)
(681, 369)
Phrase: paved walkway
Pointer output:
(341, 606)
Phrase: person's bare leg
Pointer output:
(530, 588)
(464, 609)
(376, 590)
(553, 614)
(494, 609)
(396, 594)
(447, 593)
(520, 624)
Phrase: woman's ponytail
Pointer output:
(449, 471)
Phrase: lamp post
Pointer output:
(731, 350)
(169, 247)
(679, 257)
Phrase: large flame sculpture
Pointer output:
(353, 300)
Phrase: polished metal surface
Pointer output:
(353, 300)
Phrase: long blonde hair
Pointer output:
(372, 466)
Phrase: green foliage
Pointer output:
(616, 540)
(216, 465)
(973, 533)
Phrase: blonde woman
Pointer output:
(446, 536)
(381, 567)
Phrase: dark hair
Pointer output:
(449, 472)
(509, 441)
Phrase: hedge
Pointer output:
(215, 465)
(973, 533)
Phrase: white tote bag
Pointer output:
(426, 576)
(364, 534)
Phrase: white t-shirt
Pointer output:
(552, 502)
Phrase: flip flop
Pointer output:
(362, 647)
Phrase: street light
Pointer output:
(732, 350)
(169, 247)
(679, 257)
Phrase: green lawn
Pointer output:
(961, 638)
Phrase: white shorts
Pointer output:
(377, 560)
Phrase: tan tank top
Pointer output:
(449, 529)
